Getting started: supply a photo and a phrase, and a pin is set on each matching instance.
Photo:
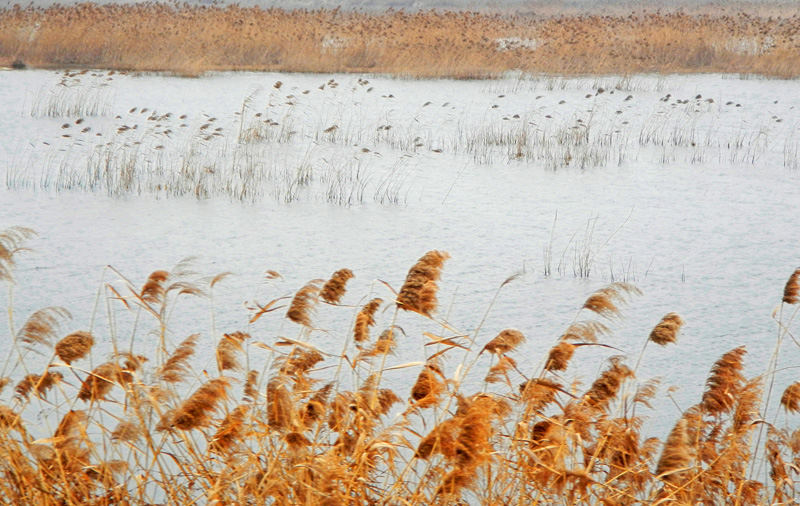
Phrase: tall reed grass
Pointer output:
(189, 40)
(254, 416)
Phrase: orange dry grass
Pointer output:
(189, 40)
(133, 432)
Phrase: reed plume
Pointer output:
(499, 371)
(676, 456)
(334, 289)
(229, 346)
(605, 300)
(42, 326)
(559, 356)
(97, 385)
(418, 292)
(304, 302)
(74, 346)
(280, 410)
(230, 431)
(128, 431)
(725, 382)
(250, 393)
(196, 411)
(538, 393)
(365, 319)
(11, 241)
(507, 340)
(585, 331)
(176, 367)
(38, 384)
(666, 331)
(427, 390)
(790, 400)
(153, 291)
(791, 292)
(606, 386)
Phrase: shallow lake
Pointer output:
(687, 187)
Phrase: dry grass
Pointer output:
(189, 40)
(136, 432)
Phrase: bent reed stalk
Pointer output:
(189, 40)
(173, 429)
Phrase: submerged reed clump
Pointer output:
(356, 424)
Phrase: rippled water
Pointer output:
(695, 203)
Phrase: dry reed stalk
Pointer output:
(507, 340)
(365, 319)
(791, 292)
(196, 411)
(418, 292)
(666, 331)
(74, 346)
(303, 303)
(334, 289)
(227, 349)
(176, 367)
(42, 326)
(725, 382)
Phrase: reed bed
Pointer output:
(254, 416)
(189, 40)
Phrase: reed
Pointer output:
(171, 430)
(189, 40)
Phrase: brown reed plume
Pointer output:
(418, 292)
(725, 382)
(559, 356)
(676, 456)
(197, 411)
(37, 384)
(790, 400)
(229, 346)
(304, 302)
(605, 300)
(153, 290)
(11, 243)
(365, 319)
(176, 368)
(428, 388)
(250, 392)
(334, 289)
(607, 385)
(791, 292)
(74, 346)
(98, 384)
(666, 331)
(42, 326)
(507, 340)
(585, 331)
(128, 431)
(538, 393)
(499, 371)
(230, 431)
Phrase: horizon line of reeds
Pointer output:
(190, 40)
